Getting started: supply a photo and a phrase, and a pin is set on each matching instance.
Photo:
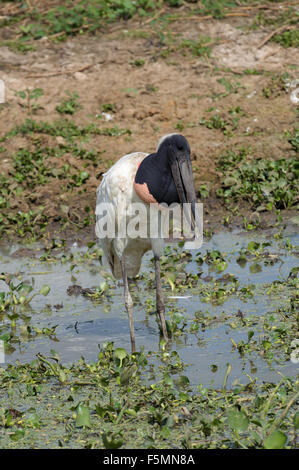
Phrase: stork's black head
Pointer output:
(176, 146)
(166, 176)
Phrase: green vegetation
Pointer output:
(229, 87)
(64, 128)
(276, 19)
(18, 294)
(198, 48)
(146, 399)
(276, 86)
(70, 105)
(266, 184)
(37, 165)
(138, 62)
(61, 21)
(287, 38)
(293, 138)
(68, 19)
(226, 124)
(107, 404)
(28, 96)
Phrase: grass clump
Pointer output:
(64, 128)
(69, 19)
(70, 105)
(197, 48)
(276, 19)
(287, 38)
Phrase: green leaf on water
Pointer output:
(120, 354)
(182, 380)
(25, 289)
(255, 268)
(32, 419)
(19, 434)
(104, 286)
(168, 380)
(250, 335)
(276, 440)
(221, 266)
(112, 440)
(5, 337)
(171, 277)
(54, 355)
(237, 420)
(253, 246)
(45, 290)
(128, 374)
(83, 415)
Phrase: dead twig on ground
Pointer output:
(64, 72)
(273, 33)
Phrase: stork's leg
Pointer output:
(159, 298)
(128, 302)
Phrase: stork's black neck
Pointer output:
(156, 173)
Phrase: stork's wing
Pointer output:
(115, 196)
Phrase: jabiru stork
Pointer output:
(161, 177)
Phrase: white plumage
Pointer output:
(117, 189)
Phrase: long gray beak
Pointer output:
(183, 180)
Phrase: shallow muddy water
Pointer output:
(83, 324)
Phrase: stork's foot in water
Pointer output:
(159, 298)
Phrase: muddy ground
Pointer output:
(150, 83)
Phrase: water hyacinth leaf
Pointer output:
(253, 246)
(32, 419)
(112, 440)
(227, 373)
(17, 435)
(83, 416)
(120, 354)
(237, 420)
(127, 374)
(276, 440)
(45, 290)
(54, 355)
(250, 335)
(24, 289)
(162, 342)
(130, 412)
(104, 286)
(168, 380)
(221, 266)
(22, 299)
(171, 277)
(182, 381)
(255, 268)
